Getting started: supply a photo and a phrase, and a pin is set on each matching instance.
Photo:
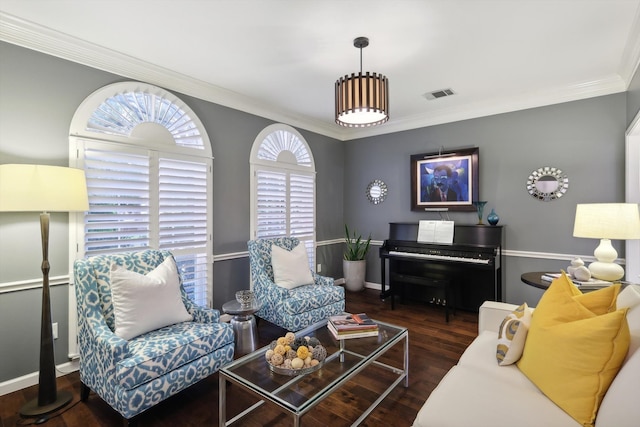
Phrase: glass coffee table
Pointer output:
(299, 394)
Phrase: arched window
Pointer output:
(283, 185)
(147, 158)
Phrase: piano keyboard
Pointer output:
(440, 257)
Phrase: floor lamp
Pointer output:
(38, 188)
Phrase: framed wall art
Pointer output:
(446, 179)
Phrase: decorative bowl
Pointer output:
(294, 372)
(245, 298)
(292, 356)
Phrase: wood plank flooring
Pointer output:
(434, 347)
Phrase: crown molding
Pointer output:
(575, 92)
(631, 55)
(42, 39)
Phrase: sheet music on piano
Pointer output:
(435, 231)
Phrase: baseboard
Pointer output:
(368, 285)
(29, 380)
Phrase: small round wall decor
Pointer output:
(376, 191)
(547, 184)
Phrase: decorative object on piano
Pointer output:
(446, 179)
(493, 217)
(376, 191)
(354, 264)
(547, 184)
(289, 355)
(479, 210)
(606, 221)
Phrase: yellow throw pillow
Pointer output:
(575, 347)
(512, 335)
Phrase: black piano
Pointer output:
(461, 275)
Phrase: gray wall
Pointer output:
(584, 138)
(40, 94)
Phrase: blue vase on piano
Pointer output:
(493, 217)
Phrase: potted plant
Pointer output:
(354, 264)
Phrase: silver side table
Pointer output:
(244, 325)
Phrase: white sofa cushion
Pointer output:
(468, 396)
(481, 356)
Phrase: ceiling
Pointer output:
(280, 59)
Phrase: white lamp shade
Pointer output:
(616, 221)
(40, 188)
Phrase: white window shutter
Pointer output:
(118, 187)
(139, 199)
(271, 204)
(283, 198)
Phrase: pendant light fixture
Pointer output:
(362, 99)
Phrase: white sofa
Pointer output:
(478, 392)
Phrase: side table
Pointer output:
(534, 278)
(244, 325)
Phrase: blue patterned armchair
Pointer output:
(292, 309)
(134, 375)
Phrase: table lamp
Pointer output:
(607, 221)
(38, 188)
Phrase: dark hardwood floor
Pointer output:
(435, 346)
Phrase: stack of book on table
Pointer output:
(346, 326)
(582, 284)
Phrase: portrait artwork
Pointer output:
(444, 180)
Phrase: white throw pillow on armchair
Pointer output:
(145, 302)
(290, 268)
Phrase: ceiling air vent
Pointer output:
(438, 94)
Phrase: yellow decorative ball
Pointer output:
(282, 341)
(303, 352)
(279, 350)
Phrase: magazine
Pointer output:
(584, 284)
(351, 334)
(352, 322)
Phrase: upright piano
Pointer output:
(463, 274)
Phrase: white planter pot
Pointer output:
(354, 272)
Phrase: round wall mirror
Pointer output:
(376, 191)
(547, 184)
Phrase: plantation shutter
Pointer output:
(283, 184)
(182, 222)
(139, 199)
(271, 202)
(302, 212)
(118, 187)
(141, 147)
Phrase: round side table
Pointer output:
(244, 325)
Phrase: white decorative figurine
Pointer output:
(575, 263)
(582, 273)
